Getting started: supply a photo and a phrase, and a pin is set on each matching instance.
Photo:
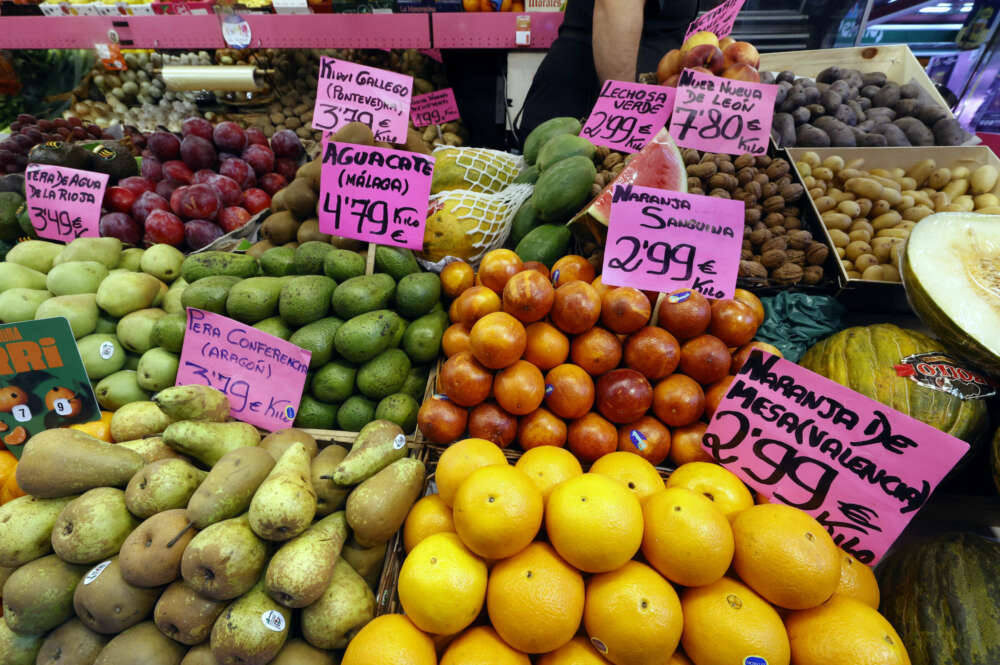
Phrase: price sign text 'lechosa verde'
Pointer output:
(627, 115)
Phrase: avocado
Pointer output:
(12, 182)
(255, 298)
(363, 294)
(305, 299)
(309, 257)
(343, 264)
(422, 338)
(363, 337)
(384, 374)
(417, 293)
(168, 332)
(395, 261)
(207, 264)
(315, 414)
(10, 206)
(59, 153)
(355, 413)
(416, 383)
(113, 158)
(274, 326)
(399, 408)
(209, 293)
(317, 338)
(278, 261)
(334, 382)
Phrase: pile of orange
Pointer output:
(541, 562)
(564, 360)
(9, 489)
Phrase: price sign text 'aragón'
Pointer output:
(374, 194)
(347, 93)
(434, 108)
(722, 115)
(627, 115)
(719, 21)
(64, 204)
(662, 241)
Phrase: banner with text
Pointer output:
(347, 92)
(63, 203)
(627, 115)
(718, 21)
(434, 108)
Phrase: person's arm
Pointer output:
(617, 30)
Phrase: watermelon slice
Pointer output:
(660, 165)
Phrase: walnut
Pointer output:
(708, 157)
(744, 161)
(816, 253)
(792, 223)
(703, 170)
(752, 269)
(600, 179)
(773, 258)
(720, 193)
(799, 239)
(791, 192)
(696, 190)
(595, 190)
(693, 182)
(797, 256)
(774, 203)
(759, 237)
(727, 167)
(762, 161)
(723, 181)
(778, 230)
(746, 174)
(777, 169)
(774, 219)
(601, 152)
(768, 189)
(773, 243)
(812, 275)
(746, 244)
(788, 273)
(691, 156)
(791, 211)
(612, 159)
(746, 254)
(752, 215)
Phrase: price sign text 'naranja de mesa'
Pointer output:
(662, 241)
(262, 375)
(347, 93)
(434, 108)
(719, 21)
(627, 115)
(63, 203)
(374, 194)
(722, 115)
(861, 469)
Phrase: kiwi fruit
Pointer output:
(356, 133)
(280, 227)
(309, 230)
(301, 199)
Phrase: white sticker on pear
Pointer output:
(96, 571)
(273, 620)
(398, 442)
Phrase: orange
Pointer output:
(601, 287)
(678, 400)
(455, 339)
(99, 429)
(442, 585)
(465, 380)
(715, 482)
(536, 265)
(633, 615)
(685, 444)
(647, 438)
(390, 639)
(474, 303)
(482, 646)
(520, 388)
(547, 346)
(528, 295)
(428, 516)
(715, 393)
(456, 277)
(632, 471)
(547, 466)
(844, 630)
(541, 428)
(497, 340)
(535, 599)
(857, 581)
(594, 522)
(592, 436)
(624, 310)
(725, 622)
(458, 462)
(8, 465)
(598, 351)
(578, 651)
(679, 659)
(576, 308)
(569, 391)
(752, 301)
(498, 266)
(572, 267)
(11, 490)
(686, 537)
(785, 555)
(498, 511)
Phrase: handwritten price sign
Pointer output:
(262, 375)
(861, 469)
(662, 241)
(434, 108)
(721, 115)
(347, 93)
(627, 115)
(719, 21)
(63, 203)
(374, 194)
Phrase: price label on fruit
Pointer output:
(374, 194)
(861, 469)
(262, 375)
(347, 92)
(627, 115)
(434, 108)
(722, 115)
(719, 21)
(662, 241)
(63, 203)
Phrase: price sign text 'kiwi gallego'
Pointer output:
(347, 93)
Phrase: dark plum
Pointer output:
(286, 167)
(121, 226)
(229, 190)
(164, 145)
(199, 233)
(254, 135)
(260, 158)
(175, 199)
(233, 218)
(119, 199)
(240, 171)
(177, 170)
(203, 176)
(223, 156)
(199, 202)
(152, 169)
(147, 203)
(137, 184)
(229, 136)
(166, 188)
(197, 127)
(197, 153)
(163, 227)
(255, 200)
(285, 143)
(272, 183)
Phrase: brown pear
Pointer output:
(151, 555)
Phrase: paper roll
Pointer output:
(209, 77)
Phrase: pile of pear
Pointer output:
(197, 542)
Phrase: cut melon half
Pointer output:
(951, 271)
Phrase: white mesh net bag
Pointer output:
(473, 169)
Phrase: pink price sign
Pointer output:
(722, 115)
(861, 469)
(374, 194)
(262, 375)
(662, 241)
(347, 93)
(434, 108)
(627, 115)
(719, 21)
(63, 203)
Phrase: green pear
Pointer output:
(93, 526)
(21, 304)
(142, 643)
(61, 462)
(161, 295)
(208, 441)
(300, 652)
(285, 503)
(131, 259)
(172, 301)
(182, 615)
(4, 574)
(193, 402)
(80, 310)
(300, 571)
(329, 495)
(279, 441)
(15, 276)
(123, 292)
(378, 507)
(230, 486)
(120, 388)
(71, 644)
(252, 630)
(152, 449)
(163, 262)
(135, 329)
(136, 420)
(224, 560)
(132, 363)
(106, 603)
(18, 649)
(346, 605)
(102, 355)
(157, 369)
(102, 250)
(66, 279)
(26, 528)
(38, 596)
(106, 325)
(379, 444)
(162, 485)
(169, 332)
(35, 254)
(366, 561)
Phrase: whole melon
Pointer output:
(943, 598)
(864, 359)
